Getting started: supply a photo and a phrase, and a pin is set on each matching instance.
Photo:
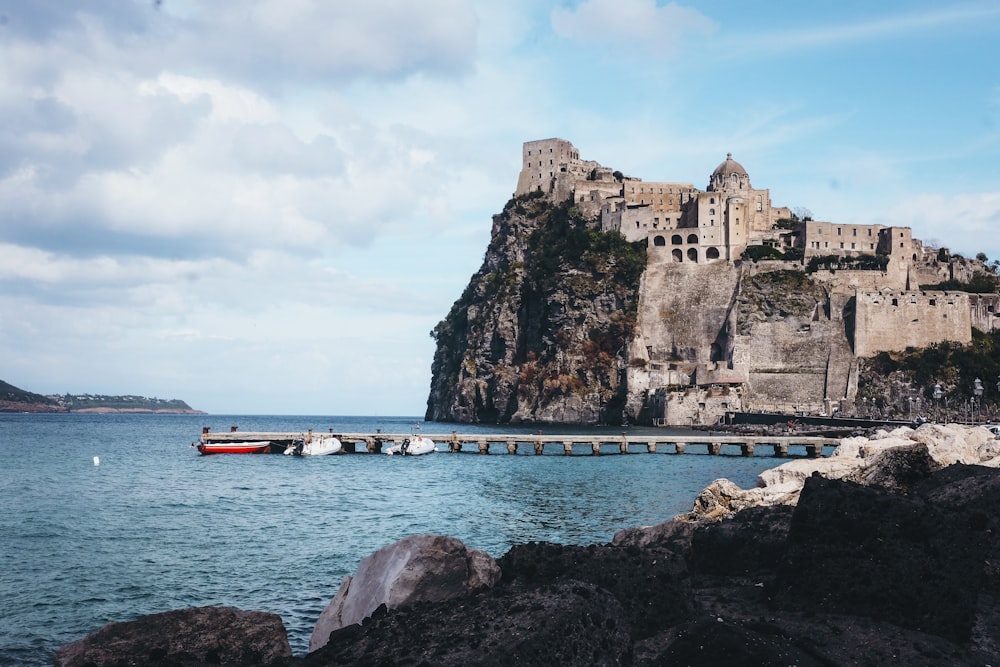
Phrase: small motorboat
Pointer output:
(415, 445)
(318, 446)
(254, 447)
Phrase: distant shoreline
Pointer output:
(9, 407)
(165, 411)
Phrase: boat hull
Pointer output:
(323, 446)
(415, 446)
(260, 447)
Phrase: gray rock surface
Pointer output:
(418, 568)
(188, 637)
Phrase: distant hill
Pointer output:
(14, 399)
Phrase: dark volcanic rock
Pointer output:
(713, 642)
(753, 540)
(863, 551)
(184, 638)
(563, 623)
(651, 584)
(542, 330)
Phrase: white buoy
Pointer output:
(97, 460)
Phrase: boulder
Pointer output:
(417, 568)
(189, 637)
(919, 561)
(558, 623)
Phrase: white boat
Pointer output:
(415, 445)
(318, 446)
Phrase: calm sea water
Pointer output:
(156, 527)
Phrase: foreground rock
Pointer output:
(418, 568)
(184, 638)
(851, 575)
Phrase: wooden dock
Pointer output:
(715, 444)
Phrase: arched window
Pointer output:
(693, 254)
(678, 255)
(712, 253)
(659, 240)
(676, 239)
(735, 179)
(692, 238)
(711, 211)
(712, 200)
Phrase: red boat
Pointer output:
(260, 447)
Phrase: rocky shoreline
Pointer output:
(888, 551)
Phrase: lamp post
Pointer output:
(937, 400)
(977, 390)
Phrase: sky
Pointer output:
(265, 206)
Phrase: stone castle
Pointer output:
(700, 352)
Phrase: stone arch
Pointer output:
(693, 254)
(678, 255)
(712, 253)
(692, 238)
(676, 239)
(658, 240)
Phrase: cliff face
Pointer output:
(541, 333)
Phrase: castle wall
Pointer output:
(788, 362)
(633, 222)
(891, 321)
(683, 308)
(831, 238)
(848, 280)
(666, 199)
(985, 311)
(694, 406)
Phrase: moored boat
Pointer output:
(254, 447)
(415, 445)
(319, 446)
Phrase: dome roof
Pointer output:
(730, 166)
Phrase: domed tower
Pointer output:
(730, 176)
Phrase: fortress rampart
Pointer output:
(891, 321)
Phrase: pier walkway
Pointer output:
(455, 442)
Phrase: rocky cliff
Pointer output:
(541, 333)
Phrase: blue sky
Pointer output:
(264, 206)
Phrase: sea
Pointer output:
(110, 517)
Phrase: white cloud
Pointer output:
(307, 39)
(964, 222)
(631, 23)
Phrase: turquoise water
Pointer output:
(155, 526)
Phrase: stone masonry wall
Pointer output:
(891, 321)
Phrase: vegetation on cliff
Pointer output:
(903, 383)
(15, 399)
(541, 331)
